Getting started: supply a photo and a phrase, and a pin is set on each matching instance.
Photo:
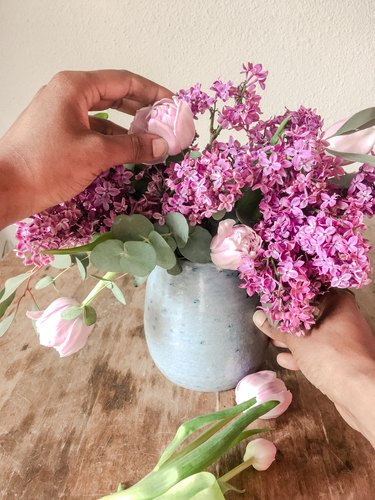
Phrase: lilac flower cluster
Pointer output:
(310, 226)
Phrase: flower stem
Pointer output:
(234, 472)
(98, 288)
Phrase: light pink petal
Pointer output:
(34, 314)
(184, 128)
(140, 123)
(159, 128)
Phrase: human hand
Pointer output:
(338, 357)
(55, 150)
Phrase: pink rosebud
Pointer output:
(361, 142)
(232, 243)
(261, 452)
(264, 386)
(172, 119)
(66, 336)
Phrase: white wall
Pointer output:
(319, 53)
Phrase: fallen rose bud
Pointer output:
(172, 119)
(233, 242)
(66, 336)
(264, 386)
(261, 452)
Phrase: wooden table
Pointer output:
(75, 427)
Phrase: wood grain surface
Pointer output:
(73, 428)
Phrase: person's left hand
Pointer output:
(55, 150)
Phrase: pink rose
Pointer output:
(232, 243)
(361, 142)
(66, 336)
(171, 119)
(261, 452)
(264, 386)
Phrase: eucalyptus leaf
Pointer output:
(194, 154)
(353, 157)
(97, 239)
(6, 323)
(175, 270)
(219, 215)
(179, 228)
(82, 262)
(359, 121)
(12, 284)
(129, 166)
(107, 255)
(138, 280)
(165, 256)
(71, 313)
(118, 293)
(6, 303)
(139, 258)
(61, 261)
(167, 235)
(247, 207)
(197, 249)
(44, 282)
(89, 315)
(131, 227)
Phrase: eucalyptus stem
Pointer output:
(234, 472)
(98, 288)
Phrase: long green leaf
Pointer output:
(359, 121)
(201, 486)
(353, 157)
(81, 249)
(6, 303)
(12, 284)
(5, 324)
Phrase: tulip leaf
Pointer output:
(165, 256)
(179, 228)
(12, 284)
(6, 323)
(274, 139)
(353, 157)
(71, 313)
(138, 258)
(44, 282)
(6, 303)
(197, 249)
(359, 121)
(97, 239)
(107, 255)
(89, 315)
(200, 486)
(131, 227)
(102, 115)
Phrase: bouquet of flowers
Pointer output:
(268, 198)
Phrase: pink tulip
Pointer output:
(264, 386)
(233, 242)
(261, 452)
(172, 119)
(66, 336)
(361, 142)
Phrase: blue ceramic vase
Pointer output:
(199, 328)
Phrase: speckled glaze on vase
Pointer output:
(199, 328)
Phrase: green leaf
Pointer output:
(44, 282)
(175, 270)
(131, 227)
(274, 139)
(102, 115)
(82, 262)
(353, 157)
(71, 313)
(179, 228)
(247, 207)
(139, 258)
(165, 256)
(89, 315)
(138, 280)
(219, 215)
(197, 249)
(61, 261)
(107, 255)
(82, 248)
(6, 303)
(359, 121)
(129, 166)
(194, 154)
(200, 486)
(118, 293)
(5, 324)
(12, 284)
(167, 235)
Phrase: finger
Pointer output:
(260, 319)
(286, 360)
(134, 148)
(111, 85)
(106, 126)
(277, 343)
(128, 106)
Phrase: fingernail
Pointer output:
(159, 148)
(259, 318)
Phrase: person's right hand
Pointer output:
(338, 357)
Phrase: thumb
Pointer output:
(130, 148)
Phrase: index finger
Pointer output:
(112, 85)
